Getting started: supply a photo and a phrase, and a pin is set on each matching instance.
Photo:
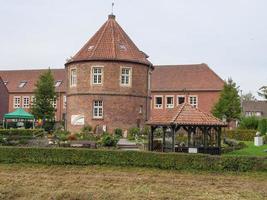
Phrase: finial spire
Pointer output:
(112, 7)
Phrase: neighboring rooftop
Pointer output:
(25, 80)
(197, 77)
(110, 42)
(255, 108)
(184, 114)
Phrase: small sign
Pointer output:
(77, 120)
(192, 150)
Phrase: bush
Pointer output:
(249, 123)
(134, 133)
(63, 156)
(108, 140)
(263, 126)
(21, 132)
(240, 134)
(49, 126)
(87, 129)
(62, 134)
(118, 132)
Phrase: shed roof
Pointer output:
(184, 114)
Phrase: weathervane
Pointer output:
(112, 7)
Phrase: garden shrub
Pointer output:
(240, 134)
(263, 126)
(108, 140)
(249, 123)
(87, 129)
(134, 133)
(118, 132)
(21, 132)
(62, 135)
(63, 156)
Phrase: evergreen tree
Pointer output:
(229, 105)
(249, 97)
(263, 92)
(45, 94)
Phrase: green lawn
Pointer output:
(250, 150)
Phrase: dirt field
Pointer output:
(95, 182)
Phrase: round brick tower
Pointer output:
(108, 82)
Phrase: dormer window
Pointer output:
(91, 47)
(22, 84)
(58, 83)
(122, 47)
(5, 82)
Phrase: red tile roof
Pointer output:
(111, 43)
(198, 77)
(14, 78)
(184, 114)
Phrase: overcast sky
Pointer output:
(229, 35)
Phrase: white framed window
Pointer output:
(158, 102)
(58, 83)
(180, 99)
(169, 101)
(126, 76)
(73, 77)
(16, 101)
(193, 100)
(54, 103)
(26, 102)
(22, 84)
(64, 101)
(97, 75)
(98, 109)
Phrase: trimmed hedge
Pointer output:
(240, 134)
(62, 156)
(21, 132)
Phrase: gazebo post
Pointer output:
(163, 139)
(173, 138)
(151, 138)
(205, 138)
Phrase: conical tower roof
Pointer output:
(110, 42)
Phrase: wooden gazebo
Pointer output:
(202, 130)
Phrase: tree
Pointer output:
(228, 106)
(45, 94)
(263, 92)
(248, 97)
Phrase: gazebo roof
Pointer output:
(184, 114)
(19, 114)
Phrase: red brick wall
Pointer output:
(206, 100)
(3, 99)
(59, 110)
(121, 104)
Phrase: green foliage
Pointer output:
(44, 93)
(228, 105)
(240, 134)
(263, 92)
(87, 129)
(63, 156)
(21, 132)
(248, 97)
(118, 132)
(263, 126)
(134, 133)
(108, 140)
(250, 150)
(62, 135)
(249, 123)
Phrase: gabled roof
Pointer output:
(15, 77)
(19, 114)
(184, 114)
(110, 42)
(255, 106)
(197, 77)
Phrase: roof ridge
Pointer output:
(100, 38)
(179, 65)
(113, 38)
(179, 112)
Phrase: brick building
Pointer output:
(111, 84)
(20, 85)
(195, 84)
